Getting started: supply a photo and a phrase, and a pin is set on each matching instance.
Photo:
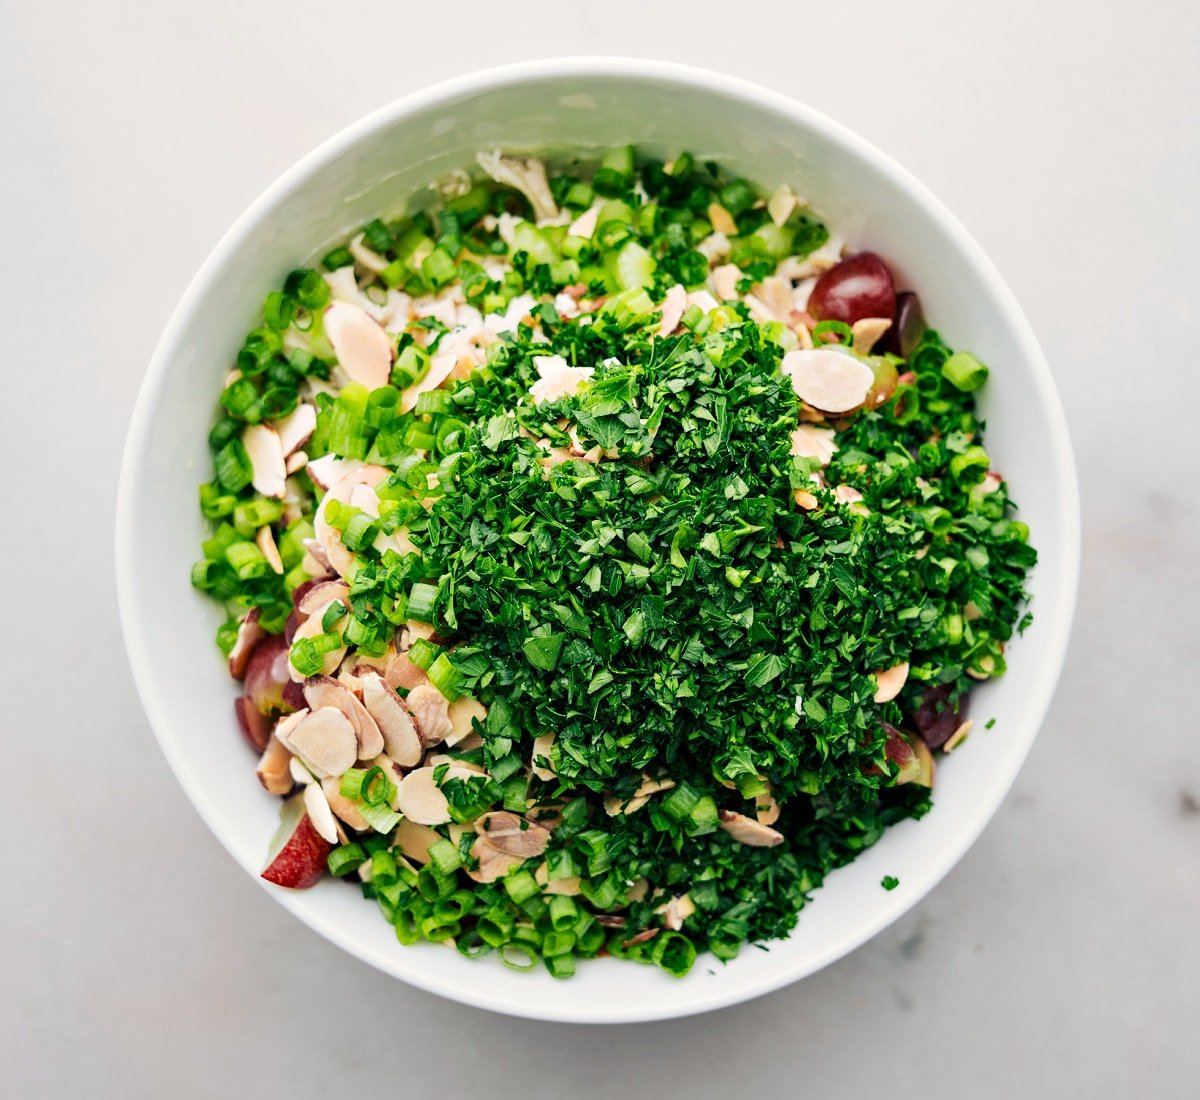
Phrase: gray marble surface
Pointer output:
(1060, 959)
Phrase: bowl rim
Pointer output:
(1056, 607)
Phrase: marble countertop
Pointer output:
(1060, 958)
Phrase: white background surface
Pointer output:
(1061, 958)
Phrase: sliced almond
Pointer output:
(653, 786)
(568, 887)
(431, 712)
(400, 738)
(542, 746)
(673, 306)
(321, 595)
(745, 830)
(829, 380)
(402, 673)
(319, 813)
(512, 834)
(249, 634)
(722, 220)
(676, 911)
(415, 840)
(809, 441)
(265, 541)
(889, 682)
(328, 537)
(342, 806)
(557, 378)
(321, 692)
(585, 224)
(958, 736)
(441, 367)
(268, 472)
(724, 281)
(776, 294)
(328, 470)
(867, 333)
(805, 499)
(493, 863)
(766, 809)
(295, 429)
(420, 798)
(299, 772)
(273, 771)
(781, 204)
(310, 628)
(366, 258)
(463, 714)
(324, 739)
(297, 460)
(362, 347)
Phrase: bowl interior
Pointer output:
(377, 166)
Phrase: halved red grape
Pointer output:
(907, 326)
(858, 287)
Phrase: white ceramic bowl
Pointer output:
(581, 105)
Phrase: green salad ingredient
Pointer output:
(606, 558)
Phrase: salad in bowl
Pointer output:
(608, 555)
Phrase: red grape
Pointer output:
(856, 288)
(907, 327)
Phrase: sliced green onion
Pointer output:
(421, 598)
(963, 371)
(521, 886)
(445, 856)
(346, 858)
(443, 675)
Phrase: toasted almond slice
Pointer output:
(829, 380)
(310, 628)
(296, 428)
(557, 378)
(321, 595)
(273, 771)
(362, 348)
(265, 541)
(321, 691)
(958, 736)
(402, 673)
(673, 306)
(400, 738)
(249, 634)
(415, 840)
(328, 537)
(324, 739)
(463, 713)
(319, 813)
(297, 460)
(809, 441)
(781, 204)
(431, 712)
(676, 911)
(341, 805)
(722, 220)
(746, 830)
(724, 281)
(420, 798)
(766, 809)
(613, 805)
(585, 224)
(366, 258)
(542, 746)
(569, 887)
(867, 333)
(653, 786)
(850, 496)
(805, 499)
(299, 772)
(777, 295)
(512, 834)
(889, 682)
(971, 611)
(268, 472)
(493, 863)
(328, 470)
